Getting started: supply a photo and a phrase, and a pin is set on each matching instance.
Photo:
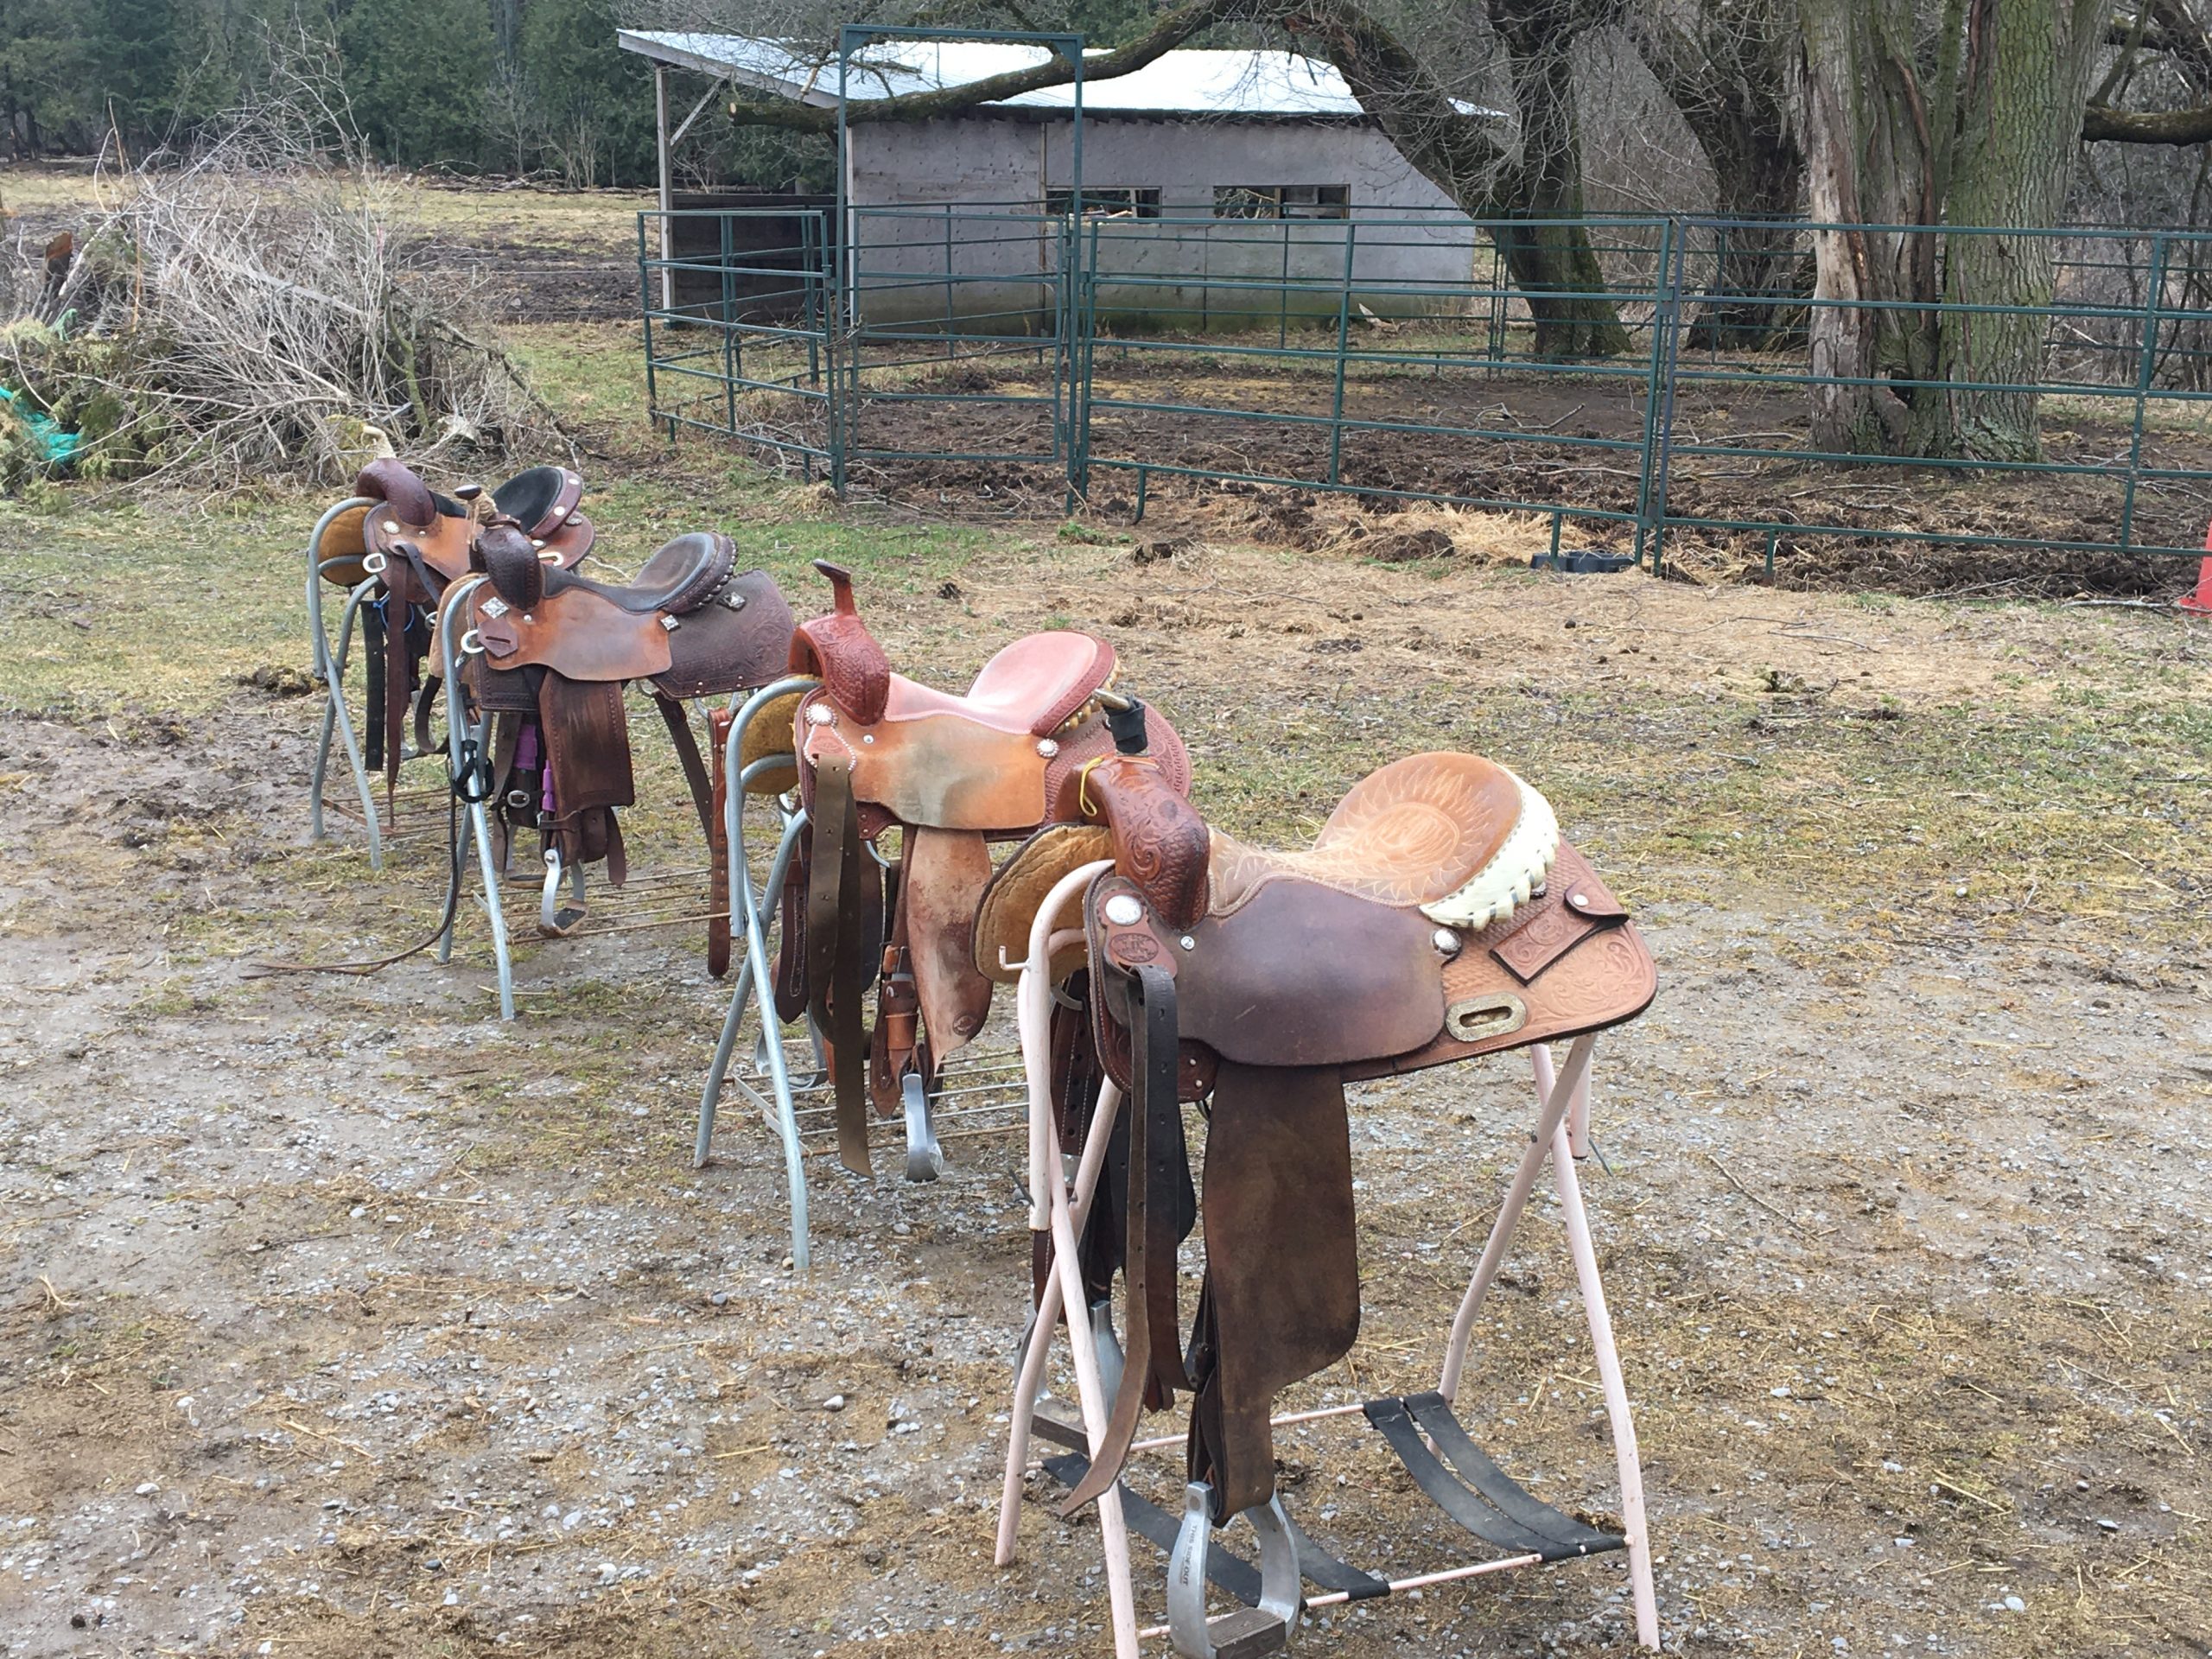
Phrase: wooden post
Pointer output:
(667, 190)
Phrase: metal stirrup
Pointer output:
(1265, 1629)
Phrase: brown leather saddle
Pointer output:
(953, 773)
(556, 649)
(416, 541)
(1438, 917)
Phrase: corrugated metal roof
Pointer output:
(1194, 81)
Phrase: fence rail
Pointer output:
(1396, 358)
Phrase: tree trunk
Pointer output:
(1872, 160)
(1725, 65)
(1757, 270)
(1553, 264)
(2027, 71)
(1983, 135)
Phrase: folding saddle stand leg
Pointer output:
(327, 565)
(768, 710)
(1532, 930)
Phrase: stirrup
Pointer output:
(925, 1158)
(1108, 1346)
(800, 1081)
(555, 920)
(1249, 1631)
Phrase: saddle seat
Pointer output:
(1032, 687)
(440, 530)
(682, 575)
(1456, 836)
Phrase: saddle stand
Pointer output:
(794, 1096)
(1442, 1459)
(333, 556)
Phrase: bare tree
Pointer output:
(1725, 64)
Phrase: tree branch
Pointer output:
(1169, 32)
(2102, 126)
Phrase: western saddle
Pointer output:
(953, 773)
(550, 651)
(416, 541)
(1438, 917)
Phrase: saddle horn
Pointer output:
(841, 588)
(517, 574)
(1125, 719)
(397, 486)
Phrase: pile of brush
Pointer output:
(245, 312)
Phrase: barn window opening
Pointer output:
(1107, 201)
(1281, 202)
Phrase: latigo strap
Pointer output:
(837, 961)
(1152, 1365)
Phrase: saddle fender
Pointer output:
(944, 874)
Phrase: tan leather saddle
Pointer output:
(415, 541)
(953, 773)
(1438, 917)
(556, 649)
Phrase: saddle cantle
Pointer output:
(1437, 916)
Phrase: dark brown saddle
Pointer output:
(415, 541)
(555, 650)
(954, 772)
(1438, 917)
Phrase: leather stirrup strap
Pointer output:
(1282, 1297)
(372, 661)
(423, 700)
(718, 887)
(398, 682)
(673, 717)
(792, 998)
(836, 965)
(895, 1047)
(1151, 1367)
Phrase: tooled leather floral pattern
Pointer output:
(852, 667)
(1160, 842)
(1409, 833)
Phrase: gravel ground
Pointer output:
(337, 1317)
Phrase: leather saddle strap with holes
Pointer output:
(398, 674)
(1076, 1077)
(791, 997)
(678, 721)
(895, 1047)
(1152, 1361)
(835, 967)
(372, 661)
(718, 889)
(1283, 1265)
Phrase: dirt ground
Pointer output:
(337, 1317)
